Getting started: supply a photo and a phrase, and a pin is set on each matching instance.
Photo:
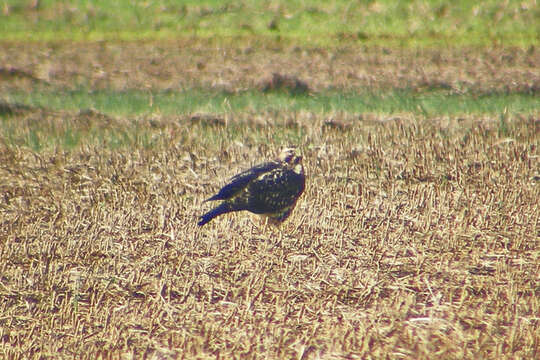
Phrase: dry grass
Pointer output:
(416, 237)
(180, 65)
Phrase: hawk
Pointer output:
(270, 189)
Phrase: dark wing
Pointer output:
(275, 192)
(238, 182)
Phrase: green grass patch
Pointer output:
(384, 22)
(67, 133)
(135, 102)
(62, 119)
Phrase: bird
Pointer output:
(269, 189)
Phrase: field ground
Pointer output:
(417, 236)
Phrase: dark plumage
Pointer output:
(270, 189)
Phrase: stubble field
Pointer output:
(416, 237)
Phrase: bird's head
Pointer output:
(289, 156)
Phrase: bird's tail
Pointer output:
(218, 210)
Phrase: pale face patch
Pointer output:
(299, 169)
(287, 155)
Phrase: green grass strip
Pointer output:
(322, 23)
(135, 102)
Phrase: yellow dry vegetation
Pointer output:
(415, 238)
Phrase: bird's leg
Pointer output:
(256, 230)
(280, 239)
(253, 227)
(268, 227)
